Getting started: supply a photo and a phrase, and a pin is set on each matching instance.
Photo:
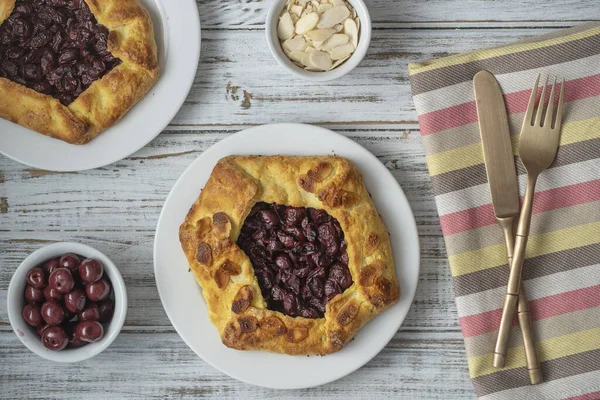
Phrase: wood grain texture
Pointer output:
(238, 84)
(251, 14)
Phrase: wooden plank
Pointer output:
(231, 87)
(235, 14)
(131, 251)
(130, 193)
(415, 365)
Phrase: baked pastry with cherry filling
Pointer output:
(290, 252)
(70, 69)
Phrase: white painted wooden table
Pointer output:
(238, 85)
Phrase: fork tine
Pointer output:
(531, 106)
(559, 110)
(540, 110)
(550, 112)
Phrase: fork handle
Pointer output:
(514, 279)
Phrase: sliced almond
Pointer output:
(318, 45)
(338, 62)
(296, 56)
(337, 3)
(334, 41)
(295, 18)
(308, 10)
(338, 27)
(310, 49)
(296, 10)
(333, 16)
(351, 30)
(357, 23)
(321, 60)
(312, 69)
(285, 30)
(295, 44)
(320, 35)
(341, 51)
(315, 4)
(306, 59)
(306, 23)
(324, 7)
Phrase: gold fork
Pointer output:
(538, 145)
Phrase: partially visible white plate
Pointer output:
(181, 296)
(177, 31)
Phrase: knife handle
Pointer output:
(533, 364)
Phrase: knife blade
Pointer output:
(504, 189)
(497, 147)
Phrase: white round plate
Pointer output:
(177, 32)
(181, 296)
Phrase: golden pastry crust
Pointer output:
(109, 98)
(229, 286)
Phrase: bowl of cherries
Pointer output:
(67, 302)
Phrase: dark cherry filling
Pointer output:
(299, 257)
(55, 47)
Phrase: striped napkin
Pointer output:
(562, 270)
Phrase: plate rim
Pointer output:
(84, 165)
(413, 232)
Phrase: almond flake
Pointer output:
(296, 56)
(336, 40)
(312, 69)
(295, 44)
(321, 60)
(306, 60)
(296, 10)
(357, 23)
(351, 30)
(342, 51)
(306, 23)
(333, 16)
(309, 49)
(295, 18)
(320, 35)
(338, 27)
(338, 3)
(318, 45)
(324, 7)
(285, 30)
(338, 62)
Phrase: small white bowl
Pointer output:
(16, 302)
(363, 44)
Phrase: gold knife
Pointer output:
(502, 178)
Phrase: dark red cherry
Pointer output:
(75, 301)
(52, 294)
(98, 290)
(53, 313)
(37, 278)
(62, 280)
(90, 270)
(106, 309)
(91, 312)
(51, 265)
(32, 315)
(33, 295)
(89, 331)
(55, 338)
(69, 261)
